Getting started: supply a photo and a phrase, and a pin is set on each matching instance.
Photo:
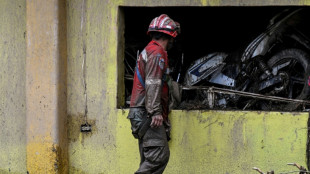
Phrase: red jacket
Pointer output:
(152, 65)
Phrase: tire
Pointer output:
(297, 72)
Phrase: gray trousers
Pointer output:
(153, 146)
(154, 152)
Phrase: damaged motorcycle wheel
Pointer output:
(293, 66)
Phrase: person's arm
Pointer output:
(153, 86)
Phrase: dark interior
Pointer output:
(203, 30)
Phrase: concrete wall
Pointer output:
(46, 87)
(202, 142)
(222, 142)
(82, 40)
(12, 86)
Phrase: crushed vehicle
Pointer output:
(275, 63)
(272, 72)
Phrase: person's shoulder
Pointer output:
(155, 49)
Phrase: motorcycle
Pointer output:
(275, 63)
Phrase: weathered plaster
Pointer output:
(93, 35)
(223, 142)
(46, 87)
(12, 86)
(220, 142)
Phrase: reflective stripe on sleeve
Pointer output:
(153, 81)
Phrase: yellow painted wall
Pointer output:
(12, 86)
(223, 142)
(88, 40)
(203, 142)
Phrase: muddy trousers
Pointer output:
(154, 153)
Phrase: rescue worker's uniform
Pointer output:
(150, 97)
(147, 100)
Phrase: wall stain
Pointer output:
(221, 124)
(237, 136)
(203, 119)
(61, 162)
(211, 123)
(75, 170)
(8, 171)
(74, 127)
(295, 113)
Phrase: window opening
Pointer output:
(255, 50)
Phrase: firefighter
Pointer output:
(150, 97)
